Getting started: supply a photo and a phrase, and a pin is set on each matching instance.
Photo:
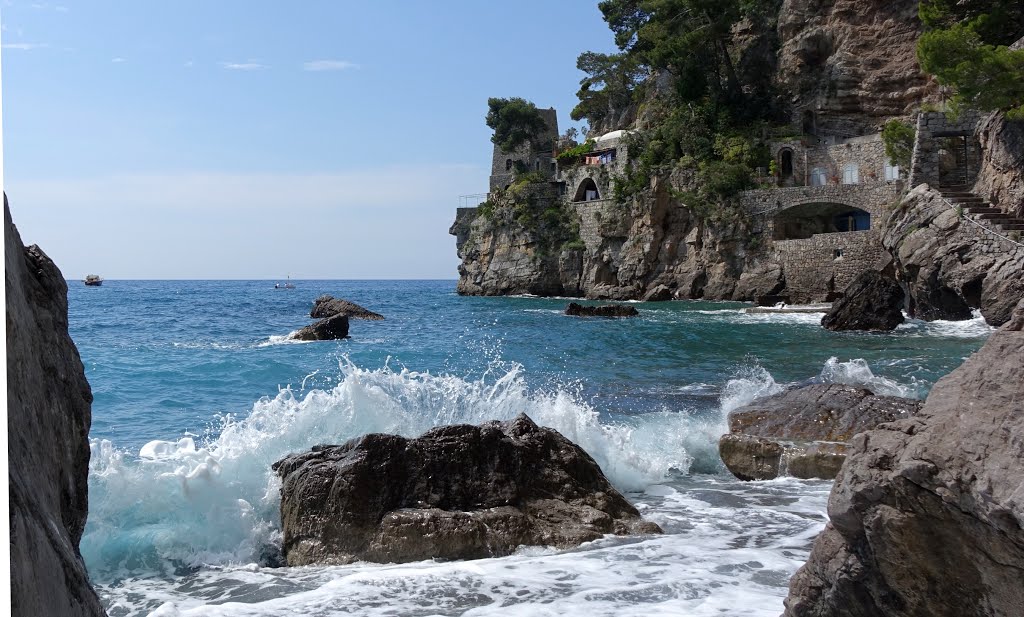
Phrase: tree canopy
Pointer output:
(965, 49)
(515, 121)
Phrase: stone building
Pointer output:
(536, 155)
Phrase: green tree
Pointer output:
(898, 137)
(997, 22)
(609, 85)
(515, 121)
(984, 76)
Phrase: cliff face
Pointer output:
(852, 62)
(950, 265)
(1001, 177)
(926, 514)
(48, 417)
(654, 248)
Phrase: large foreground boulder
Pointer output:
(329, 306)
(871, 302)
(330, 329)
(927, 515)
(49, 411)
(457, 492)
(804, 432)
(607, 310)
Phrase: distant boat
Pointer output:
(287, 285)
(93, 280)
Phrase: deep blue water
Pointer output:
(198, 391)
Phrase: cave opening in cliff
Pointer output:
(806, 220)
(587, 191)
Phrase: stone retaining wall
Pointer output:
(823, 264)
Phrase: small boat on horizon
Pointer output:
(288, 284)
(93, 280)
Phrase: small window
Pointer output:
(508, 164)
(892, 172)
(818, 177)
(851, 174)
(536, 165)
(554, 166)
(837, 254)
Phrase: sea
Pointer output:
(198, 390)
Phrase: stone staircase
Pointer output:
(981, 209)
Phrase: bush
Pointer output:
(515, 121)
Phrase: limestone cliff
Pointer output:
(1001, 177)
(926, 513)
(48, 417)
(852, 64)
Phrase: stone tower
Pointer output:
(534, 157)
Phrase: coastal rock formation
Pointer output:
(49, 411)
(926, 515)
(950, 265)
(871, 302)
(1001, 177)
(457, 492)
(852, 62)
(608, 310)
(329, 306)
(330, 329)
(804, 431)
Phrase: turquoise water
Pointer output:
(197, 391)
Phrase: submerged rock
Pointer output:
(927, 515)
(457, 492)
(803, 432)
(607, 310)
(49, 411)
(329, 306)
(329, 329)
(871, 302)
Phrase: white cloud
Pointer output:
(329, 65)
(189, 64)
(117, 60)
(25, 46)
(243, 66)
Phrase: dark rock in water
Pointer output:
(329, 306)
(49, 411)
(927, 515)
(607, 310)
(803, 432)
(457, 492)
(771, 300)
(661, 293)
(871, 302)
(329, 329)
(271, 556)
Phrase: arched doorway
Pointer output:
(587, 191)
(806, 220)
(786, 162)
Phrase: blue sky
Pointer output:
(258, 139)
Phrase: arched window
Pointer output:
(818, 177)
(508, 164)
(851, 174)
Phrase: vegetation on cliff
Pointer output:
(515, 121)
(710, 117)
(965, 48)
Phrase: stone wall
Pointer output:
(932, 162)
(810, 153)
(824, 264)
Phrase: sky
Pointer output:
(256, 140)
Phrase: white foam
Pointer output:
(178, 501)
(966, 328)
(857, 373)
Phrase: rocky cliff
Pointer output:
(852, 63)
(950, 264)
(1001, 177)
(48, 417)
(927, 515)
